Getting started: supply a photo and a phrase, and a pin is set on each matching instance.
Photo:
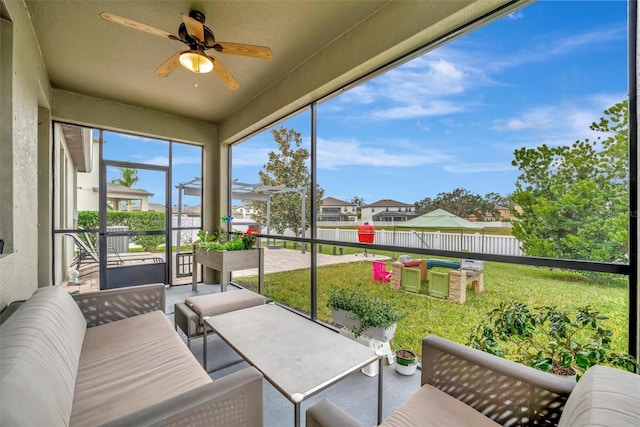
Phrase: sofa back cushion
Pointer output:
(604, 396)
(39, 356)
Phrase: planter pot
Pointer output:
(568, 374)
(345, 319)
(406, 362)
(228, 261)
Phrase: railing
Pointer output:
(488, 244)
(477, 242)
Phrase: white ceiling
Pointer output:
(90, 56)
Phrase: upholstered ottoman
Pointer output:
(189, 315)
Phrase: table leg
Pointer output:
(296, 414)
(380, 373)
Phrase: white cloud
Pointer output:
(350, 152)
(164, 160)
(514, 16)
(434, 108)
(555, 46)
(562, 123)
(253, 157)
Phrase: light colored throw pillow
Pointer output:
(41, 344)
(604, 396)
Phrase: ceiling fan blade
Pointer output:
(194, 28)
(137, 25)
(260, 52)
(224, 74)
(168, 66)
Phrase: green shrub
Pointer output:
(134, 220)
(371, 312)
(549, 339)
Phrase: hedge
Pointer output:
(135, 220)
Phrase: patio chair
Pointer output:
(88, 255)
(379, 271)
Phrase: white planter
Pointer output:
(405, 370)
(403, 365)
(345, 318)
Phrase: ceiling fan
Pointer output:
(199, 38)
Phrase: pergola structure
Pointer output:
(244, 191)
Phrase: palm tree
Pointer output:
(129, 177)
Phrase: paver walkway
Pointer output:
(276, 260)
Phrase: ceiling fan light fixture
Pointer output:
(196, 62)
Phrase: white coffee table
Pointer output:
(296, 355)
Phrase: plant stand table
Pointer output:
(296, 355)
(227, 261)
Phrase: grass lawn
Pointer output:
(503, 282)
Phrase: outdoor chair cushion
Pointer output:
(224, 302)
(439, 408)
(41, 344)
(116, 378)
(603, 396)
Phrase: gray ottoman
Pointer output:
(188, 315)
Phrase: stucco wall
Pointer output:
(30, 88)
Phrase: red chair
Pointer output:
(379, 271)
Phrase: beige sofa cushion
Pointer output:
(39, 356)
(432, 407)
(604, 396)
(129, 365)
(224, 302)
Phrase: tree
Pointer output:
(574, 199)
(359, 202)
(128, 179)
(129, 176)
(459, 202)
(287, 168)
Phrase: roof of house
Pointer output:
(330, 201)
(388, 203)
(115, 188)
(394, 214)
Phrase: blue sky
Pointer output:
(454, 116)
(451, 118)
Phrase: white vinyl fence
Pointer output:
(498, 245)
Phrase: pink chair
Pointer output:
(379, 271)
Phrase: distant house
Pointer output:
(121, 198)
(336, 210)
(504, 214)
(242, 212)
(387, 210)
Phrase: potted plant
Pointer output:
(222, 241)
(363, 315)
(549, 339)
(226, 252)
(406, 362)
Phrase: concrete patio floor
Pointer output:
(356, 394)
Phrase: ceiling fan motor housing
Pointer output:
(194, 44)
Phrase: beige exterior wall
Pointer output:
(89, 182)
(30, 90)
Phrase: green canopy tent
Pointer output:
(442, 220)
